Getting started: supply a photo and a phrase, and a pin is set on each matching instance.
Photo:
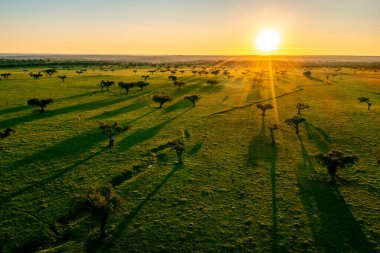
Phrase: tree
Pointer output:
(212, 82)
(35, 76)
(307, 74)
(161, 99)
(79, 72)
(126, 86)
(226, 73)
(365, 100)
(145, 77)
(142, 84)
(179, 84)
(173, 78)
(111, 130)
(295, 121)
(179, 147)
(194, 72)
(100, 204)
(334, 160)
(193, 99)
(215, 72)
(182, 71)
(106, 84)
(62, 78)
(273, 128)
(265, 107)
(6, 75)
(41, 103)
(6, 133)
(302, 106)
(50, 72)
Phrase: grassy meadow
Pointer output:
(234, 192)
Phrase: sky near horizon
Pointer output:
(186, 27)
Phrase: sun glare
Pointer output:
(267, 40)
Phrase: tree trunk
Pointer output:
(103, 223)
(160, 105)
(193, 103)
(42, 109)
(111, 142)
(297, 129)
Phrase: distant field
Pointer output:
(235, 192)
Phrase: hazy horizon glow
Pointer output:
(196, 27)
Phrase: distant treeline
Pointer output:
(63, 63)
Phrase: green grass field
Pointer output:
(234, 192)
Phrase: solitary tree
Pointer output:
(294, 122)
(50, 72)
(41, 103)
(179, 147)
(335, 159)
(126, 86)
(62, 78)
(6, 133)
(182, 71)
(173, 78)
(111, 130)
(106, 84)
(365, 100)
(212, 82)
(265, 107)
(193, 99)
(100, 204)
(161, 99)
(142, 84)
(79, 72)
(145, 77)
(273, 128)
(179, 84)
(6, 75)
(307, 74)
(194, 72)
(35, 76)
(302, 106)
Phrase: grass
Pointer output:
(236, 191)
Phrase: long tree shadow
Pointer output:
(333, 225)
(195, 149)
(51, 178)
(261, 149)
(318, 136)
(120, 228)
(67, 149)
(122, 110)
(178, 105)
(51, 113)
(186, 89)
(24, 107)
(142, 135)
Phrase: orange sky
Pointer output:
(227, 27)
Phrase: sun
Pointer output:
(268, 40)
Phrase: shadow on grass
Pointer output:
(51, 178)
(122, 110)
(67, 149)
(212, 88)
(78, 107)
(195, 149)
(333, 226)
(318, 136)
(120, 228)
(178, 105)
(185, 90)
(261, 149)
(24, 107)
(314, 79)
(142, 135)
